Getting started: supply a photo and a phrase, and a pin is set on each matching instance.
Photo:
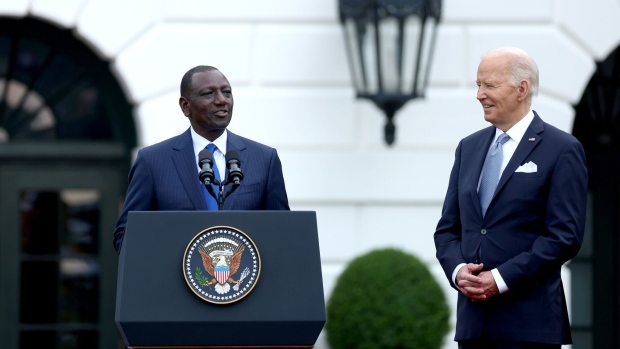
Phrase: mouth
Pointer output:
(221, 113)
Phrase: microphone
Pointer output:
(233, 163)
(205, 159)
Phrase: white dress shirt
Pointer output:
(219, 155)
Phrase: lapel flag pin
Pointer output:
(532, 139)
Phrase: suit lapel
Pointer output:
(235, 143)
(530, 140)
(477, 162)
(185, 164)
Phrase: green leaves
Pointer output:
(387, 299)
(202, 280)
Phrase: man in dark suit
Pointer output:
(164, 176)
(514, 213)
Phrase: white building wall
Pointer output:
(286, 62)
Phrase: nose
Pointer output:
(219, 97)
(481, 95)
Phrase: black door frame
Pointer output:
(59, 166)
(596, 270)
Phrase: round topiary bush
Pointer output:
(387, 299)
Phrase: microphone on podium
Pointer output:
(233, 163)
(206, 175)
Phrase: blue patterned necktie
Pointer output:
(211, 202)
(491, 172)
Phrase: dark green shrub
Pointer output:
(387, 299)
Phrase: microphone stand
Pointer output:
(210, 190)
(221, 197)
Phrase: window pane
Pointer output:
(79, 340)
(81, 220)
(80, 290)
(38, 293)
(49, 90)
(39, 218)
(37, 339)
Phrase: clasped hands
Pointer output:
(475, 284)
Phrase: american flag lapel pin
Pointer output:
(532, 139)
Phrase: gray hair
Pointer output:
(522, 66)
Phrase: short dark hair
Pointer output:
(186, 81)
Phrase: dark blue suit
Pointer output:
(534, 224)
(164, 177)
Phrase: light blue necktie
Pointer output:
(491, 172)
(211, 202)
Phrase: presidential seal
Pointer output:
(221, 265)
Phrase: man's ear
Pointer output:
(524, 90)
(184, 104)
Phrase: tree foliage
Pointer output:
(387, 299)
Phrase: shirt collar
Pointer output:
(200, 142)
(517, 131)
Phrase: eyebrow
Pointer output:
(214, 86)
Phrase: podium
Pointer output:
(156, 308)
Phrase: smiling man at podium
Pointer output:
(165, 176)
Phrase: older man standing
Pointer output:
(514, 213)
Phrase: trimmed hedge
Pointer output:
(387, 299)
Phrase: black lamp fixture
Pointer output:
(390, 45)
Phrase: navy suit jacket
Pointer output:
(164, 177)
(533, 225)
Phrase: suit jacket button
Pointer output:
(483, 231)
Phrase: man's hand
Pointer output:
(489, 287)
(474, 284)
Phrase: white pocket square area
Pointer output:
(530, 167)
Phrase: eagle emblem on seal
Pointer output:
(221, 258)
(221, 265)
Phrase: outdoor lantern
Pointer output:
(390, 45)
